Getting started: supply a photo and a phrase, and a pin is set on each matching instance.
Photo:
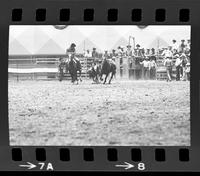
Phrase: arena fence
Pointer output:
(41, 66)
(46, 67)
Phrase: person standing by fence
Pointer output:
(178, 67)
(167, 52)
(146, 68)
(129, 54)
(187, 71)
(174, 46)
(168, 65)
(61, 67)
(87, 54)
(184, 62)
(94, 55)
(153, 67)
(182, 46)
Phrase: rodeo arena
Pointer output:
(99, 85)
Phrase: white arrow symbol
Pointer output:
(29, 165)
(126, 165)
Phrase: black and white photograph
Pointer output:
(99, 85)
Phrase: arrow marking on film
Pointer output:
(29, 165)
(126, 165)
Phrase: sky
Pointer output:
(46, 39)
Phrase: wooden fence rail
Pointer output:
(41, 67)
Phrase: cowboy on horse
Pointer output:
(71, 51)
(73, 64)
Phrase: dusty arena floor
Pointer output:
(137, 113)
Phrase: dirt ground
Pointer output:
(136, 113)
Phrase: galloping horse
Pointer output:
(73, 65)
(107, 68)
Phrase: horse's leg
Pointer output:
(80, 76)
(76, 77)
(97, 79)
(105, 78)
(93, 80)
(100, 77)
(72, 76)
(60, 76)
(111, 77)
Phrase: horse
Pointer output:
(107, 68)
(74, 66)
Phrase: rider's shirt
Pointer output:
(76, 59)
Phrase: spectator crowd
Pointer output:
(175, 59)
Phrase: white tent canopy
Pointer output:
(46, 39)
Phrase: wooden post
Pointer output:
(117, 61)
(17, 73)
(125, 68)
(134, 68)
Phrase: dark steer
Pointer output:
(94, 73)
